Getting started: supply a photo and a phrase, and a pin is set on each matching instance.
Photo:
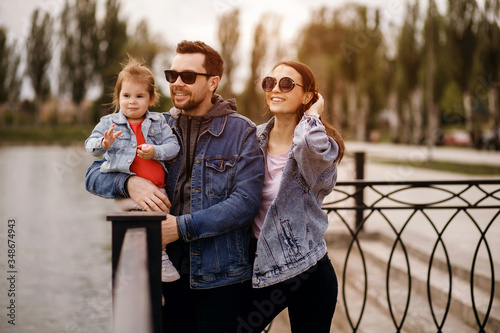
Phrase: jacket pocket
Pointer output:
(219, 172)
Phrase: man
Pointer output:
(214, 186)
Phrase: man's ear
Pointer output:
(214, 82)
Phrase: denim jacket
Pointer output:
(291, 239)
(122, 152)
(227, 179)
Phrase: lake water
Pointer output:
(62, 279)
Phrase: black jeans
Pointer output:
(311, 298)
(189, 310)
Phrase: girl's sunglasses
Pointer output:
(286, 84)
(186, 77)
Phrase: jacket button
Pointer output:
(255, 280)
(152, 131)
(133, 145)
(129, 161)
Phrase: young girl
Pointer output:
(291, 266)
(134, 140)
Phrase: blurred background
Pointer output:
(414, 72)
(412, 83)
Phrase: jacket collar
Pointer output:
(120, 118)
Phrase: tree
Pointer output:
(253, 105)
(345, 50)
(4, 65)
(406, 83)
(229, 34)
(487, 66)
(112, 43)
(39, 55)
(461, 41)
(112, 40)
(80, 50)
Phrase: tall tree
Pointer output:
(229, 34)
(112, 41)
(39, 55)
(407, 84)
(461, 43)
(253, 105)
(80, 50)
(4, 65)
(144, 44)
(487, 66)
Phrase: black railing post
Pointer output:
(359, 158)
(152, 223)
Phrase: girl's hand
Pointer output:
(146, 151)
(318, 107)
(110, 137)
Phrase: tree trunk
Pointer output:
(494, 117)
(416, 108)
(405, 127)
(393, 119)
(361, 124)
(352, 107)
(468, 115)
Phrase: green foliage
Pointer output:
(451, 104)
(39, 52)
(229, 34)
(112, 41)
(80, 48)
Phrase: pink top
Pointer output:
(274, 169)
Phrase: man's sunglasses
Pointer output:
(186, 77)
(286, 84)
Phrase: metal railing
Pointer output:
(136, 270)
(397, 238)
(433, 238)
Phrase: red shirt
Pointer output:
(149, 169)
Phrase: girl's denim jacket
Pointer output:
(291, 240)
(227, 179)
(122, 152)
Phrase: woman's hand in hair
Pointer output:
(318, 107)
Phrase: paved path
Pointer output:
(417, 154)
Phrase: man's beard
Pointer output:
(193, 103)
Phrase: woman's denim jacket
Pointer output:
(227, 180)
(291, 239)
(122, 152)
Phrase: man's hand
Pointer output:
(169, 231)
(146, 194)
(110, 137)
(146, 151)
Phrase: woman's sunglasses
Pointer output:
(186, 77)
(286, 84)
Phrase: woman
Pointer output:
(291, 265)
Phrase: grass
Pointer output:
(61, 135)
(469, 169)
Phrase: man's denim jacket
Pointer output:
(227, 180)
(122, 152)
(291, 240)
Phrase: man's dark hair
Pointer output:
(213, 61)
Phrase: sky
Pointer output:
(197, 19)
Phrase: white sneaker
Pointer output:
(168, 271)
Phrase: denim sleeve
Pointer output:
(315, 152)
(169, 147)
(94, 143)
(107, 185)
(243, 202)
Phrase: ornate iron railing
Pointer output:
(433, 238)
